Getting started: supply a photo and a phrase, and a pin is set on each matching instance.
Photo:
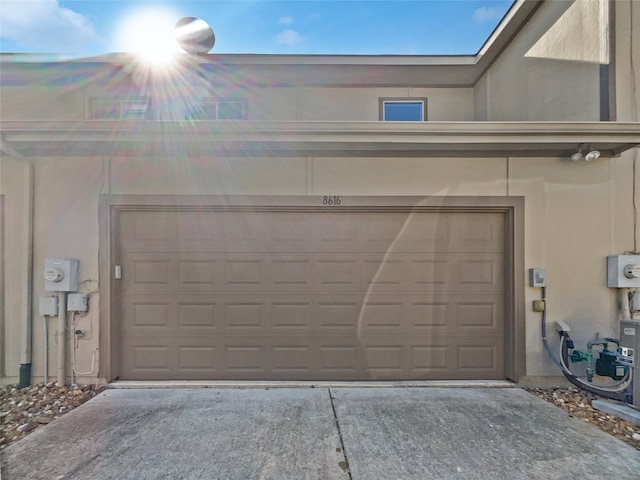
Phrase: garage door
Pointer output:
(311, 295)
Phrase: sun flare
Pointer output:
(149, 32)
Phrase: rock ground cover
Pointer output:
(577, 403)
(22, 411)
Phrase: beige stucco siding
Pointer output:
(313, 176)
(627, 60)
(539, 88)
(397, 176)
(572, 216)
(13, 184)
(575, 213)
(225, 176)
(567, 232)
(66, 225)
(42, 103)
(263, 103)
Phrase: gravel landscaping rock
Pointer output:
(24, 410)
(577, 403)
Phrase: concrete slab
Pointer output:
(616, 408)
(472, 434)
(380, 433)
(185, 434)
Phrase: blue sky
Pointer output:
(93, 27)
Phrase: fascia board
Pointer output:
(327, 138)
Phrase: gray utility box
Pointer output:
(61, 274)
(630, 348)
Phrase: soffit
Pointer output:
(329, 139)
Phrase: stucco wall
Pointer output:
(576, 213)
(14, 188)
(42, 103)
(627, 60)
(571, 212)
(264, 103)
(65, 225)
(546, 87)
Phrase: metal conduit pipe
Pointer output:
(62, 336)
(46, 348)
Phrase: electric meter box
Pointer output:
(61, 274)
(629, 349)
(623, 271)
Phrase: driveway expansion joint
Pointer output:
(344, 451)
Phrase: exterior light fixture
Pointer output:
(591, 154)
(576, 157)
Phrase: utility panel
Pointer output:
(77, 302)
(61, 274)
(48, 306)
(623, 271)
(629, 349)
(537, 277)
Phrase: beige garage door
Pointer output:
(311, 295)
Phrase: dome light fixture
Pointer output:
(590, 155)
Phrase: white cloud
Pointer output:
(45, 24)
(289, 38)
(285, 21)
(486, 14)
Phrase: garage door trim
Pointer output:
(512, 207)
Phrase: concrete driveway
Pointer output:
(318, 433)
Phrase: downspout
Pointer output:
(27, 335)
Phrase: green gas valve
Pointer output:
(578, 356)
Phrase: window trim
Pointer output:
(217, 102)
(120, 102)
(384, 100)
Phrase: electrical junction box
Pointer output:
(629, 348)
(623, 271)
(537, 278)
(48, 307)
(61, 274)
(77, 302)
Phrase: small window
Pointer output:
(229, 109)
(120, 108)
(403, 109)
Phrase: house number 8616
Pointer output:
(331, 200)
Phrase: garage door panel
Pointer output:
(151, 315)
(295, 315)
(169, 273)
(333, 232)
(200, 272)
(320, 295)
(339, 313)
(290, 359)
(200, 358)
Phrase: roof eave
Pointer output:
(344, 139)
